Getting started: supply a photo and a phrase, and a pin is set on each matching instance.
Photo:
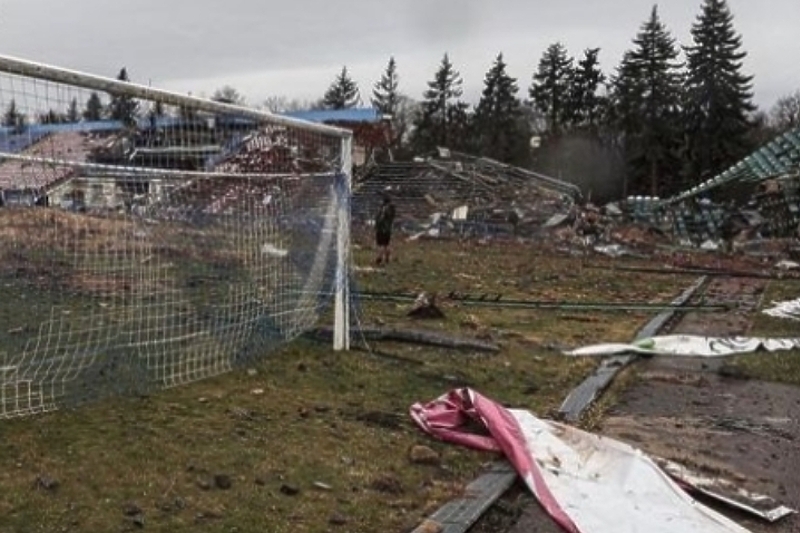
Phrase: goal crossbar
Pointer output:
(21, 67)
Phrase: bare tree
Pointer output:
(284, 104)
(228, 95)
(785, 114)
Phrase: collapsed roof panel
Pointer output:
(463, 188)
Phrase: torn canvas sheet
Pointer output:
(586, 483)
(789, 310)
(690, 346)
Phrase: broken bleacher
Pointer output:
(469, 191)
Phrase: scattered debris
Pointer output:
(614, 488)
(789, 310)
(690, 346)
(425, 307)
(726, 492)
(582, 396)
(272, 250)
(223, 481)
(459, 515)
(45, 482)
(388, 484)
(423, 455)
(289, 490)
(131, 509)
(429, 338)
(499, 301)
(787, 265)
(322, 486)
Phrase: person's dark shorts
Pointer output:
(382, 238)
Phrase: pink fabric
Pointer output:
(446, 417)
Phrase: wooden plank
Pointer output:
(459, 515)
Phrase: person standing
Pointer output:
(383, 230)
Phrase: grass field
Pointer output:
(309, 440)
(782, 367)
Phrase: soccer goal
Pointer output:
(149, 239)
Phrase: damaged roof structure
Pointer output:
(758, 196)
(463, 191)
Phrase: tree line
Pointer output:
(667, 117)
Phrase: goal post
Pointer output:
(150, 239)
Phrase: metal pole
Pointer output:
(341, 330)
(41, 71)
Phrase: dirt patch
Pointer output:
(691, 411)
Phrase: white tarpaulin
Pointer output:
(585, 482)
(690, 346)
(789, 310)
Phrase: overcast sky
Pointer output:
(295, 48)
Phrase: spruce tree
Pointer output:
(13, 118)
(123, 108)
(385, 95)
(550, 91)
(718, 95)
(500, 129)
(647, 94)
(343, 92)
(52, 117)
(443, 120)
(73, 115)
(94, 108)
(587, 104)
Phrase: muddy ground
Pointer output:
(694, 412)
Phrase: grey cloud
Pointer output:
(172, 42)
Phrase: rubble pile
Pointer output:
(754, 206)
(464, 195)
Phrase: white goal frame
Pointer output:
(40, 71)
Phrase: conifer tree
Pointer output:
(73, 115)
(443, 120)
(500, 129)
(13, 118)
(385, 95)
(343, 92)
(94, 108)
(647, 92)
(550, 91)
(123, 108)
(718, 95)
(586, 103)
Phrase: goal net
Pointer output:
(150, 239)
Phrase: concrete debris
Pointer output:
(455, 195)
(425, 307)
(787, 265)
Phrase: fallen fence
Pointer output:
(498, 301)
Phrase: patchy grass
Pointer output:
(782, 367)
(307, 415)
